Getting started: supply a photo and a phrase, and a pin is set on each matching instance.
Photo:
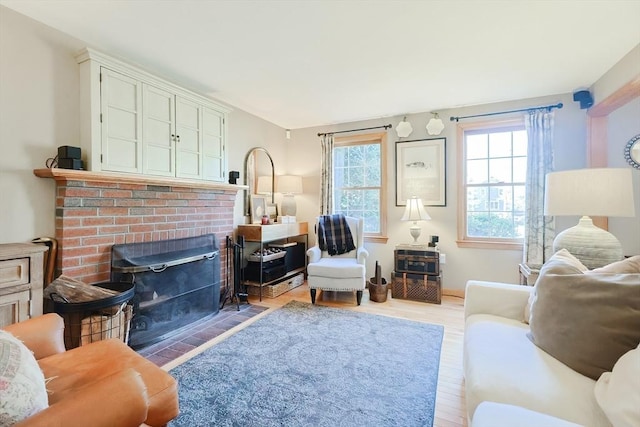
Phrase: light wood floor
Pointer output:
(450, 403)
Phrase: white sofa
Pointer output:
(519, 383)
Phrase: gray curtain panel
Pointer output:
(326, 182)
(539, 230)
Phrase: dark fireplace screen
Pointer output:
(176, 283)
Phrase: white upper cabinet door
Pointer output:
(188, 138)
(121, 122)
(158, 110)
(134, 121)
(213, 159)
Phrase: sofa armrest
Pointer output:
(314, 253)
(116, 400)
(43, 335)
(362, 255)
(500, 299)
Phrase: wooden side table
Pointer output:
(528, 275)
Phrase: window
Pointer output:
(358, 181)
(493, 162)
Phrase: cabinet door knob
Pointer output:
(178, 138)
(173, 137)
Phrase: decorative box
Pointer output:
(416, 261)
(271, 270)
(416, 287)
(255, 257)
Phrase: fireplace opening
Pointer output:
(176, 282)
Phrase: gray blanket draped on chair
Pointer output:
(334, 235)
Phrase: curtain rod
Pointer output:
(546, 107)
(354, 130)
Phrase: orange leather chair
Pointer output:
(104, 383)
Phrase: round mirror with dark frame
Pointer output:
(258, 163)
(632, 152)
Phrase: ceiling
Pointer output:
(302, 64)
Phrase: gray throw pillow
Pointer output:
(586, 321)
(562, 262)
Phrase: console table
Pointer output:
(21, 281)
(263, 235)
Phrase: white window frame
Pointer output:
(465, 241)
(372, 138)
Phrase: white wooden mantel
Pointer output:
(81, 175)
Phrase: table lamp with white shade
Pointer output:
(415, 212)
(265, 185)
(288, 185)
(589, 192)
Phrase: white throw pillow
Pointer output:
(22, 387)
(626, 266)
(568, 258)
(618, 392)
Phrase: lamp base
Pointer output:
(288, 205)
(415, 231)
(592, 245)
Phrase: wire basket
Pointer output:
(87, 322)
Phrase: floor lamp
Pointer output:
(589, 192)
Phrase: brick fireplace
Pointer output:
(95, 210)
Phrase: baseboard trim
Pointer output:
(459, 293)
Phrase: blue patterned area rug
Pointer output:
(306, 365)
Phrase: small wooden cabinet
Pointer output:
(21, 281)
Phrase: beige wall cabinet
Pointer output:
(133, 121)
(21, 281)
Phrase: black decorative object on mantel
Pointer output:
(233, 177)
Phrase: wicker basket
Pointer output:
(416, 287)
(378, 291)
(275, 290)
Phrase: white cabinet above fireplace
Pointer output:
(135, 122)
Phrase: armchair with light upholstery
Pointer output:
(345, 272)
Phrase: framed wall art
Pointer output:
(272, 211)
(258, 208)
(421, 171)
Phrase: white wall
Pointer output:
(39, 111)
(484, 264)
(462, 263)
(623, 124)
(622, 72)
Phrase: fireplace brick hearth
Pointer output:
(96, 210)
